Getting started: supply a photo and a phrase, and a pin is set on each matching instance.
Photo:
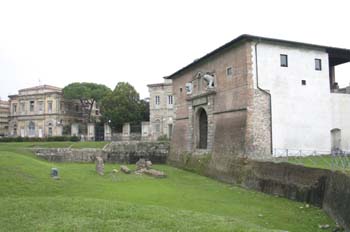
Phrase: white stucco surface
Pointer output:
(302, 115)
(341, 117)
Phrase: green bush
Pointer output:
(37, 139)
(162, 138)
(74, 138)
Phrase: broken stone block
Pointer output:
(154, 173)
(148, 164)
(141, 164)
(100, 166)
(125, 169)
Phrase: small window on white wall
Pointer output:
(318, 64)
(284, 60)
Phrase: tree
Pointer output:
(122, 105)
(88, 94)
(144, 109)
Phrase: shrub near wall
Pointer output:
(36, 139)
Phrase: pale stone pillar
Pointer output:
(145, 130)
(75, 129)
(126, 131)
(91, 131)
(107, 132)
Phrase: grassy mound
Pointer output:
(83, 201)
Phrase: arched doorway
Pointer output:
(336, 139)
(203, 129)
(31, 129)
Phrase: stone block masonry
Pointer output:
(115, 152)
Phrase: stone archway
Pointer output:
(202, 129)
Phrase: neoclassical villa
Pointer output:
(41, 111)
(257, 96)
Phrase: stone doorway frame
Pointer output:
(197, 128)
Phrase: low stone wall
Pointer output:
(86, 155)
(132, 151)
(323, 188)
(115, 152)
(337, 198)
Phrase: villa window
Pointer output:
(14, 108)
(157, 100)
(22, 107)
(284, 60)
(170, 99)
(40, 106)
(49, 106)
(31, 106)
(31, 129)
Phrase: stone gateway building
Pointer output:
(41, 111)
(257, 96)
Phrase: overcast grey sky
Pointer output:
(60, 42)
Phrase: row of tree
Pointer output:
(119, 106)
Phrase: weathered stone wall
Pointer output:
(320, 187)
(337, 198)
(131, 152)
(239, 113)
(135, 136)
(86, 155)
(115, 152)
(259, 133)
(229, 136)
(225, 105)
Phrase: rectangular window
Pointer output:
(22, 106)
(284, 60)
(49, 106)
(170, 99)
(31, 106)
(157, 127)
(14, 108)
(303, 82)
(50, 131)
(157, 100)
(318, 64)
(40, 106)
(229, 71)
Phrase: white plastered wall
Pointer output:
(341, 117)
(301, 114)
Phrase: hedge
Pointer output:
(37, 139)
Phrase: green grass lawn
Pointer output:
(341, 163)
(66, 144)
(84, 201)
